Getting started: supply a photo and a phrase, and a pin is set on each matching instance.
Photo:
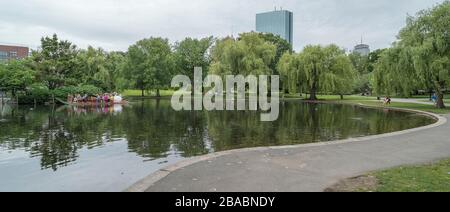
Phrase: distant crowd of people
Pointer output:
(106, 98)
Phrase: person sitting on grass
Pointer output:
(387, 100)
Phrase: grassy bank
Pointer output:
(412, 106)
(372, 101)
(138, 93)
(349, 99)
(424, 178)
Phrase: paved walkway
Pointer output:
(312, 167)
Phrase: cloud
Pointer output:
(116, 24)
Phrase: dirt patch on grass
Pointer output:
(366, 183)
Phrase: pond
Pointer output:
(108, 149)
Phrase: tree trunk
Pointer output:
(158, 94)
(431, 95)
(142, 92)
(313, 95)
(192, 89)
(440, 101)
(313, 92)
(342, 97)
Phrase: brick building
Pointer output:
(13, 52)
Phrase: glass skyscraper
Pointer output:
(278, 22)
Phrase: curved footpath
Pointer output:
(310, 167)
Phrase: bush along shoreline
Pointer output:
(40, 94)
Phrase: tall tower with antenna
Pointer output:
(362, 49)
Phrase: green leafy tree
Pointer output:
(15, 76)
(115, 64)
(361, 64)
(373, 59)
(91, 68)
(428, 36)
(421, 56)
(149, 64)
(290, 73)
(191, 53)
(320, 69)
(282, 47)
(100, 68)
(394, 73)
(55, 62)
(365, 66)
(249, 54)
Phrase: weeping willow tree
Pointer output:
(395, 73)
(318, 69)
(290, 74)
(249, 54)
(421, 57)
(97, 67)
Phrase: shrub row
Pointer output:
(40, 94)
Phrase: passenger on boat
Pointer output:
(106, 98)
(70, 98)
(117, 99)
(85, 98)
(98, 99)
(77, 98)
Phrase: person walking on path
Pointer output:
(434, 98)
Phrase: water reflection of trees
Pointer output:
(304, 123)
(153, 130)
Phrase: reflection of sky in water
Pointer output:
(108, 168)
(108, 149)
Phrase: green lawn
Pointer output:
(350, 99)
(413, 106)
(427, 100)
(424, 178)
(447, 97)
(331, 97)
(138, 93)
(372, 101)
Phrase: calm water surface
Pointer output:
(108, 149)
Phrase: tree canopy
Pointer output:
(100, 68)
(420, 58)
(15, 76)
(282, 46)
(249, 54)
(318, 69)
(191, 53)
(150, 64)
(55, 62)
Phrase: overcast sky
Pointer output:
(116, 24)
